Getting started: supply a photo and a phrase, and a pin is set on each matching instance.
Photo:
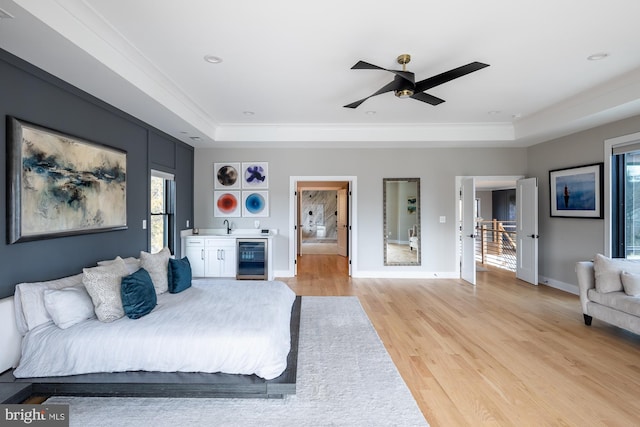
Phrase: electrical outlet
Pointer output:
(443, 219)
(144, 224)
(187, 223)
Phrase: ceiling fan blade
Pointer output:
(361, 65)
(447, 76)
(407, 75)
(386, 88)
(429, 99)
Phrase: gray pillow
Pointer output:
(103, 285)
(631, 283)
(157, 265)
(607, 272)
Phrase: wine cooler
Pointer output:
(252, 259)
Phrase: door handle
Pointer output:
(202, 254)
(473, 236)
(533, 236)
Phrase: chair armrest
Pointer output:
(586, 281)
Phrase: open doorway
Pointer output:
(322, 212)
(487, 218)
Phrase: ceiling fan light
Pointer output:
(404, 93)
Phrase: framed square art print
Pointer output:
(255, 203)
(255, 175)
(576, 192)
(226, 176)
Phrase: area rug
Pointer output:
(345, 378)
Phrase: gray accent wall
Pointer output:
(30, 94)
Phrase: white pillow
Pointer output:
(103, 285)
(133, 264)
(68, 306)
(607, 272)
(157, 265)
(631, 283)
(29, 301)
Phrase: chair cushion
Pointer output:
(618, 300)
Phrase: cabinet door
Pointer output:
(195, 254)
(212, 262)
(228, 262)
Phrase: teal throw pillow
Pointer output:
(138, 294)
(179, 275)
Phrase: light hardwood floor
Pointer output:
(501, 353)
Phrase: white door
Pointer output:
(527, 230)
(343, 226)
(468, 230)
(297, 231)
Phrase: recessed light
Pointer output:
(195, 138)
(370, 113)
(248, 113)
(493, 112)
(597, 56)
(213, 59)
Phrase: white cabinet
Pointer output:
(194, 251)
(219, 257)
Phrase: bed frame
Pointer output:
(160, 384)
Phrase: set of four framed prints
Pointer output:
(241, 189)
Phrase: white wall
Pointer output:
(436, 167)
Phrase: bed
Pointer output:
(215, 338)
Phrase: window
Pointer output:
(163, 200)
(625, 202)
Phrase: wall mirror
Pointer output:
(402, 235)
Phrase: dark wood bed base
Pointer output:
(160, 384)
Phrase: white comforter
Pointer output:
(236, 327)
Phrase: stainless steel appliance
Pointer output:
(252, 259)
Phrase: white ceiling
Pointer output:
(288, 62)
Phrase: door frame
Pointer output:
(352, 206)
(458, 183)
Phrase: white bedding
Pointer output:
(236, 327)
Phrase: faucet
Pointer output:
(226, 221)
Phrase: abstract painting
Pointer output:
(226, 176)
(226, 204)
(255, 203)
(61, 185)
(577, 192)
(255, 175)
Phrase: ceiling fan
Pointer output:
(405, 86)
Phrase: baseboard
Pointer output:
(405, 274)
(552, 283)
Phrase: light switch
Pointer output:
(144, 224)
(187, 223)
(443, 219)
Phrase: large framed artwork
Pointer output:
(61, 185)
(576, 192)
